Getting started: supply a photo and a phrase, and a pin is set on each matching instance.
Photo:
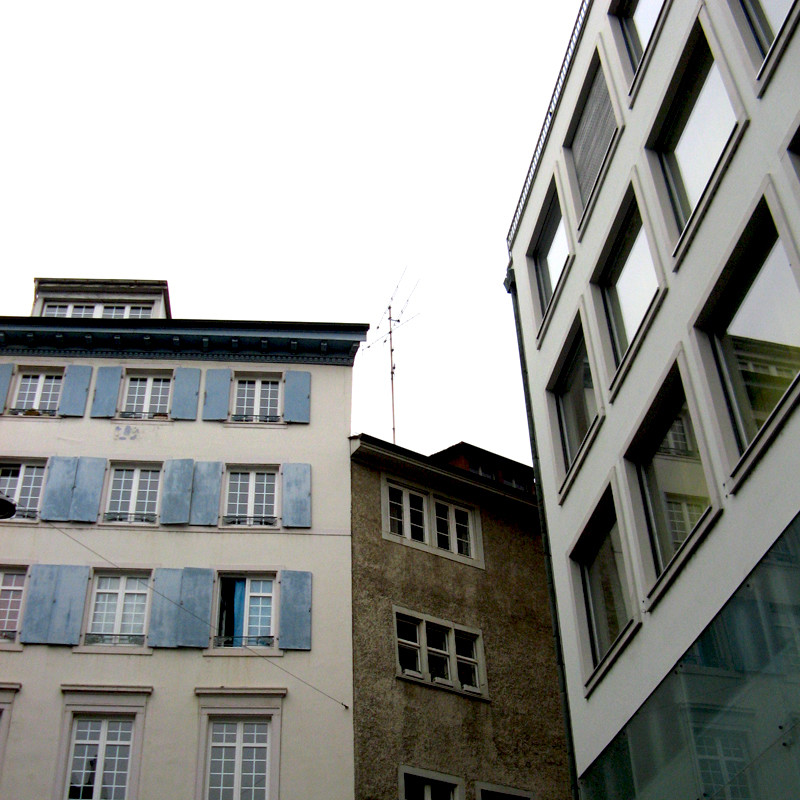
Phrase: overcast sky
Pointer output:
(291, 161)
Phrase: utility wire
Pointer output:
(206, 622)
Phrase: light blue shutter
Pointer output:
(296, 496)
(176, 491)
(57, 496)
(85, 504)
(106, 391)
(185, 391)
(194, 616)
(297, 397)
(295, 619)
(6, 370)
(54, 606)
(74, 390)
(206, 487)
(162, 631)
(218, 389)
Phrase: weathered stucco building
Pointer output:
(455, 685)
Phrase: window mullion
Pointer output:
(423, 649)
(251, 495)
(123, 582)
(97, 791)
(452, 657)
(237, 764)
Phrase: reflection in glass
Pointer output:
(577, 406)
(766, 19)
(702, 129)
(759, 348)
(632, 285)
(638, 27)
(675, 488)
(552, 252)
(725, 721)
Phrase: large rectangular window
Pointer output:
(118, 610)
(256, 400)
(238, 760)
(37, 393)
(22, 483)
(251, 497)
(246, 611)
(99, 759)
(133, 494)
(12, 586)
(147, 396)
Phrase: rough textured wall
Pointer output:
(516, 738)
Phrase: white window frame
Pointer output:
(423, 675)
(430, 539)
(257, 416)
(249, 520)
(101, 702)
(147, 411)
(98, 309)
(130, 515)
(8, 691)
(128, 308)
(116, 638)
(218, 645)
(17, 587)
(218, 704)
(30, 512)
(41, 374)
(457, 783)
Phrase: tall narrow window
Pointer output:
(119, 610)
(100, 756)
(147, 396)
(22, 483)
(766, 18)
(256, 400)
(577, 405)
(593, 135)
(245, 611)
(638, 20)
(37, 393)
(12, 585)
(251, 497)
(407, 513)
(238, 760)
(133, 494)
(551, 250)
(453, 528)
(697, 129)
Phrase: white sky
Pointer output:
(289, 161)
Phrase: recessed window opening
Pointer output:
(256, 400)
(119, 610)
(551, 251)
(37, 393)
(638, 23)
(22, 483)
(251, 498)
(245, 612)
(133, 494)
(766, 18)
(577, 405)
(12, 585)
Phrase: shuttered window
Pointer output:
(593, 134)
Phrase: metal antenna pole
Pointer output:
(391, 372)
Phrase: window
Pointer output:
(147, 396)
(722, 760)
(133, 494)
(576, 400)
(83, 310)
(37, 393)
(638, 20)
(673, 481)
(756, 330)
(697, 128)
(12, 586)
(551, 250)
(127, 312)
(22, 483)
(75, 310)
(765, 18)
(241, 732)
(256, 400)
(602, 569)
(251, 497)
(245, 611)
(486, 791)
(629, 283)
(423, 784)
(439, 653)
(97, 741)
(593, 134)
(424, 520)
(118, 610)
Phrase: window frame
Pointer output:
(423, 675)
(113, 517)
(274, 520)
(260, 379)
(583, 206)
(98, 308)
(457, 783)
(8, 693)
(482, 786)
(716, 304)
(31, 513)
(41, 373)
(147, 413)
(429, 543)
(117, 643)
(12, 642)
(104, 702)
(220, 704)
(246, 648)
(669, 125)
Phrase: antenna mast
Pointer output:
(391, 371)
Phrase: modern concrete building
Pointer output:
(455, 682)
(176, 587)
(655, 273)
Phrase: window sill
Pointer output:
(677, 562)
(232, 423)
(242, 652)
(764, 436)
(442, 687)
(112, 649)
(436, 551)
(580, 457)
(614, 652)
(11, 647)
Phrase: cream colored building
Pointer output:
(176, 584)
(655, 272)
